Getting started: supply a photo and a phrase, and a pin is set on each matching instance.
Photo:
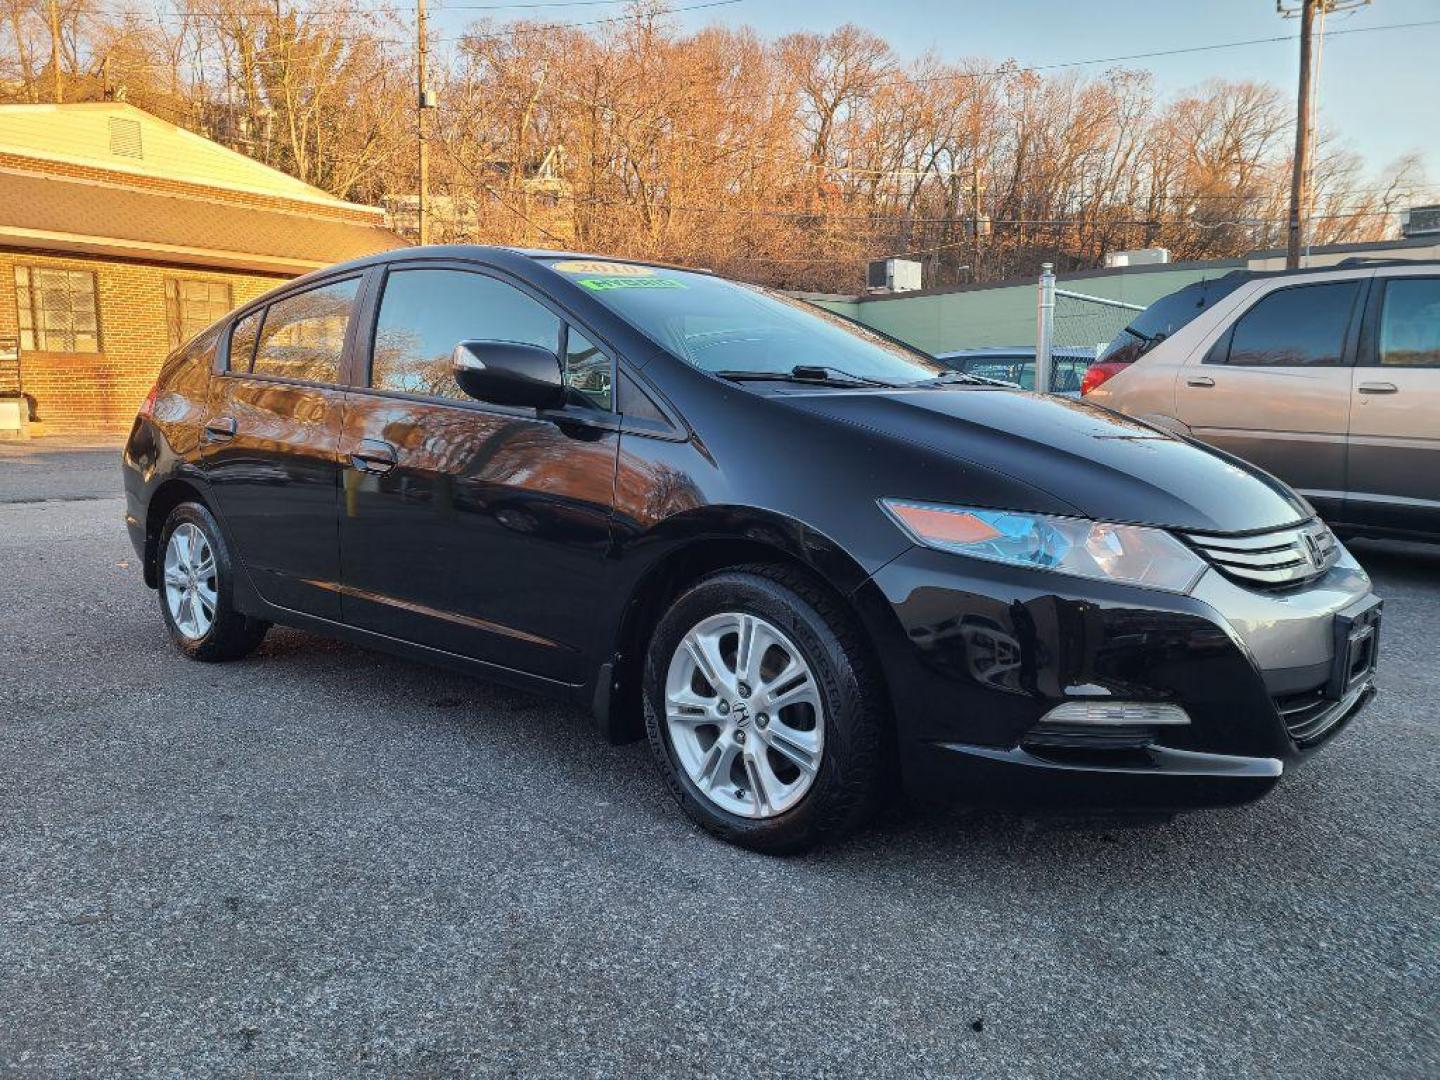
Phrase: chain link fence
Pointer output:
(1071, 328)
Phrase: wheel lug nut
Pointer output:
(744, 689)
(723, 708)
(740, 737)
(762, 720)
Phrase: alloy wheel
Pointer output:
(744, 714)
(190, 581)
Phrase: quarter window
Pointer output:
(303, 335)
(1410, 323)
(424, 314)
(1299, 327)
(57, 310)
(587, 373)
(242, 342)
(191, 306)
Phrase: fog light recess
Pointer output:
(1116, 714)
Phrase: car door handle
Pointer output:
(1378, 388)
(220, 429)
(374, 456)
(1200, 380)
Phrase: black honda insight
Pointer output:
(802, 559)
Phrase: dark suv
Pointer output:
(803, 559)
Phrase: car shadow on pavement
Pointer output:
(1398, 560)
(555, 745)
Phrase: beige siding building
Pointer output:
(122, 235)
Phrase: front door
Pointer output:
(1275, 388)
(476, 529)
(1395, 411)
(271, 444)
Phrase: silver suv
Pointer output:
(1328, 378)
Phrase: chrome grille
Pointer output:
(1275, 559)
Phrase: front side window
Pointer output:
(191, 306)
(1410, 323)
(57, 310)
(1299, 327)
(727, 327)
(424, 314)
(303, 336)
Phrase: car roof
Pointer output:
(1018, 351)
(471, 251)
(1353, 263)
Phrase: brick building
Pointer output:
(122, 235)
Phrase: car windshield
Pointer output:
(726, 327)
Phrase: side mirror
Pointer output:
(509, 373)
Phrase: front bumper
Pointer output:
(976, 654)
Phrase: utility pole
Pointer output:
(1311, 14)
(975, 217)
(425, 101)
(55, 52)
(1300, 175)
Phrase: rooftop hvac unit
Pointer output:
(892, 275)
(1137, 257)
(1420, 221)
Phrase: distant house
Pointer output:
(122, 235)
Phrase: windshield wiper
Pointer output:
(951, 377)
(811, 374)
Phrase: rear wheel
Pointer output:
(196, 589)
(762, 712)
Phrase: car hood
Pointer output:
(1107, 466)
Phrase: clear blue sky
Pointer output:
(1379, 91)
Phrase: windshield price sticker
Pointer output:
(607, 269)
(600, 284)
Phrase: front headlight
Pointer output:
(1095, 549)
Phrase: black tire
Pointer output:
(855, 764)
(231, 635)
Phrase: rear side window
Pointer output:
(1300, 327)
(424, 314)
(303, 335)
(1410, 323)
(1166, 316)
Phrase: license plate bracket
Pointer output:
(1357, 646)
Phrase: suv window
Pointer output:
(1167, 315)
(303, 335)
(1410, 323)
(424, 314)
(1303, 326)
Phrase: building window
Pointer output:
(57, 310)
(191, 306)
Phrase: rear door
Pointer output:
(1274, 387)
(478, 529)
(1395, 408)
(271, 443)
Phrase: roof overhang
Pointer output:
(70, 243)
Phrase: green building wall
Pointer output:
(982, 316)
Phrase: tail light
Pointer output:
(1099, 373)
(147, 407)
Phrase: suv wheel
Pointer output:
(761, 710)
(196, 588)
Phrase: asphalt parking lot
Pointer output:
(324, 861)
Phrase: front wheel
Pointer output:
(763, 711)
(196, 584)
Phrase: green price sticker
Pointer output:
(600, 284)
